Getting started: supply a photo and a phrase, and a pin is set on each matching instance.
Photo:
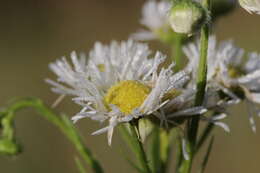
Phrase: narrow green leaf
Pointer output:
(79, 165)
(206, 158)
(134, 165)
(204, 136)
(126, 136)
(154, 151)
(130, 135)
(167, 142)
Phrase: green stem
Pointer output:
(139, 150)
(177, 52)
(201, 84)
(62, 122)
(201, 78)
(193, 124)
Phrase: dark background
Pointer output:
(34, 33)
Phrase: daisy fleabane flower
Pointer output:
(155, 18)
(252, 6)
(121, 82)
(229, 71)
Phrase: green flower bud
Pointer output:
(186, 17)
(145, 128)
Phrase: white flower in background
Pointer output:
(155, 18)
(252, 6)
(120, 83)
(229, 71)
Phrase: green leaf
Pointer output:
(154, 151)
(8, 143)
(204, 136)
(206, 157)
(134, 165)
(130, 135)
(80, 166)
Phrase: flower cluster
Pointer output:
(122, 82)
(125, 81)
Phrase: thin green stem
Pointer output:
(201, 78)
(177, 52)
(62, 122)
(201, 83)
(193, 124)
(140, 153)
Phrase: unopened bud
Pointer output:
(186, 17)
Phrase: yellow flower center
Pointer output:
(127, 95)
(101, 67)
(234, 72)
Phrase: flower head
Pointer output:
(120, 83)
(236, 76)
(252, 6)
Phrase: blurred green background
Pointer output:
(34, 33)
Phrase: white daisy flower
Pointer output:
(252, 6)
(216, 55)
(228, 70)
(155, 18)
(120, 83)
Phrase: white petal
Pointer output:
(100, 131)
(184, 150)
(189, 112)
(219, 117)
(143, 35)
(222, 125)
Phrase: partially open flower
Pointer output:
(155, 19)
(120, 83)
(252, 6)
(187, 17)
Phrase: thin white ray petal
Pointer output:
(184, 150)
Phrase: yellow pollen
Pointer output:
(127, 95)
(234, 72)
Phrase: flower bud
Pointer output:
(252, 6)
(186, 17)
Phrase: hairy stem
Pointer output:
(139, 150)
(193, 124)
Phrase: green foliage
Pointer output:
(130, 134)
(8, 143)
(80, 165)
(154, 151)
(206, 157)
